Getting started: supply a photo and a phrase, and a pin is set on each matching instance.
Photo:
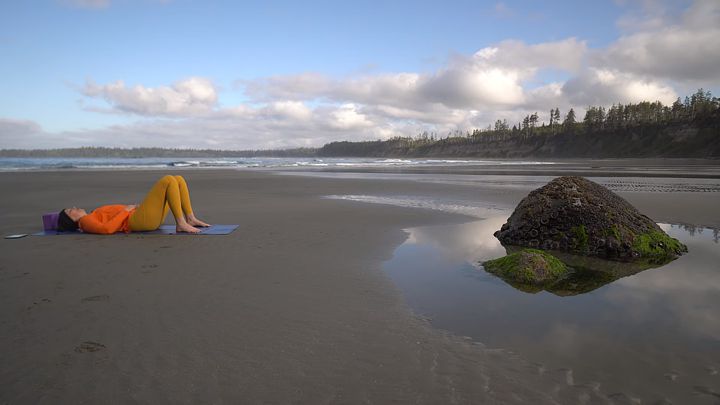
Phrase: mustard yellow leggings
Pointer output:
(169, 192)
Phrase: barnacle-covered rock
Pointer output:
(576, 215)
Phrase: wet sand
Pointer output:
(293, 307)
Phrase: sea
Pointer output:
(15, 164)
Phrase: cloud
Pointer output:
(469, 84)
(92, 4)
(293, 110)
(603, 87)
(11, 126)
(275, 125)
(493, 76)
(684, 49)
(496, 75)
(300, 86)
(502, 10)
(15, 133)
(190, 97)
(566, 54)
(26, 134)
(348, 116)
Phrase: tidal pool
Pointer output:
(650, 336)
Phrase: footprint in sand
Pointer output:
(36, 303)
(622, 397)
(699, 389)
(103, 297)
(148, 268)
(569, 376)
(89, 347)
(672, 375)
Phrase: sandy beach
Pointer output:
(293, 307)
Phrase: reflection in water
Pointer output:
(689, 296)
(692, 229)
(653, 335)
(464, 242)
(587, 274)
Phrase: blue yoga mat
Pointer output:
(163, 230)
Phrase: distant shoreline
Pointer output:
(641, 168)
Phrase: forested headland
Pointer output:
(688, 128)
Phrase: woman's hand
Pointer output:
(130, 207)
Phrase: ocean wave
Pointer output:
(239, 163)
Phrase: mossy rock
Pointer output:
(575, 215)
(528, 267)
(657, 247)
(585, 273)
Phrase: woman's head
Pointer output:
(68, 218)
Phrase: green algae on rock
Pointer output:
(585, 273)
(575, 215)
(529, 266)
(657, 246)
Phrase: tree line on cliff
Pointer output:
(687, 128)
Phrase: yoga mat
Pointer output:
(163, 230)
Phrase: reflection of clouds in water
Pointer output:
(686, 288)
(476, 209)
(563, 337)
(411, 237)
(469, 242)
(692, 310)
(667, 280)
(625, 338)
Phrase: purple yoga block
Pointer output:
(50, 221)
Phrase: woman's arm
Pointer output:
(90, 224)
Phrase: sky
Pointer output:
(279, 74)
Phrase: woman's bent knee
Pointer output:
(168, 179)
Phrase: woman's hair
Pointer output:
(65, 223)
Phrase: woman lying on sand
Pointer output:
(169, 191)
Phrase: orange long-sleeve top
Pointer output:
(107, 219)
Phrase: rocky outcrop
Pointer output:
(576, 215)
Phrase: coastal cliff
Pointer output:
(681, 141)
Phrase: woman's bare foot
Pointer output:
(196, 222)
(186, 228)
